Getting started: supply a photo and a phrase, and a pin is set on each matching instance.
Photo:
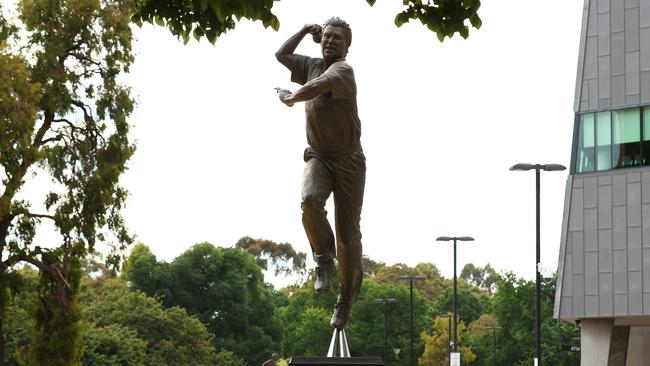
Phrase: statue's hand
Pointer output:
(315, 30)
(283, 93)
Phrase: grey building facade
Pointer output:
(604, 263)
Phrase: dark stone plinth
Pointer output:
(329, 361)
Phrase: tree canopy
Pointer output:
(284, 259)
(223, 288)
(63, 113)
(212, 18)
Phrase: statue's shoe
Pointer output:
(341, 313)
(324, 275)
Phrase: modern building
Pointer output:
(604, 263)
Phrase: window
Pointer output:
(613, 139)
(626, 149)
(586, 158)
(604, 141)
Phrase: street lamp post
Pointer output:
(411, 278)
(538, 278)
(494, 343)
(385, 302)
(455, 239)
(448, 335)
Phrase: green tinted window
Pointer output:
(604, 128)
(587, 130)
(627, 126)
(613, 139)
(586, 137)
(604, 141)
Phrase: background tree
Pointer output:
(306, 317)
(513, 307)
(63, 115)
(284, 259)
(431, 287)
(436, 344)
(223, 288)
(212, 18)
(471, 305)
(170, 335)
(482, 277)
(481, 337)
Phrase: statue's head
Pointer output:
(336, 38)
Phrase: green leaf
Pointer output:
(476, 21)
(371, 2)
(159, 21)
(464, 32)
(275, 23)
(198, 33)
(441, 36)
(212, 35)
(186, 37)
(137, 20)
(401, 18)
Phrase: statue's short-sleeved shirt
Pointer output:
(333, 125)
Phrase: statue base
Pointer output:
(329, 361)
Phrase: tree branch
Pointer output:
(40, 216)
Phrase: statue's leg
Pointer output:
(348, 200)
(316, 188)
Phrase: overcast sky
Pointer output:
(219, 157)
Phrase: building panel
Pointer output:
(620, 272)
(645, 187)
(576, 218)
(578, 295)
(645, 230)
(605, 251)
(635, 293)
(620, 304)
(591, 273)
(645, 87)
(632, 75)
(619, 240)
(631, 29)
(617, 9)
(605, 294)
(591, 230)
(618, 54)
(578, 253)
(591, 306)
(646, 270)
(644, 14)
(619, 191)
(605, 207)
(644, 53)
(590, 187)
(634, 204)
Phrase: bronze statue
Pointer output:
(334, 160)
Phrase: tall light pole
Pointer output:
(385, 302)
(455, 239)
(449, 334)
(411, 278)
(538, 276)
(494, 343)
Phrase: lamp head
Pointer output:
(522, 167)
(554, 167)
